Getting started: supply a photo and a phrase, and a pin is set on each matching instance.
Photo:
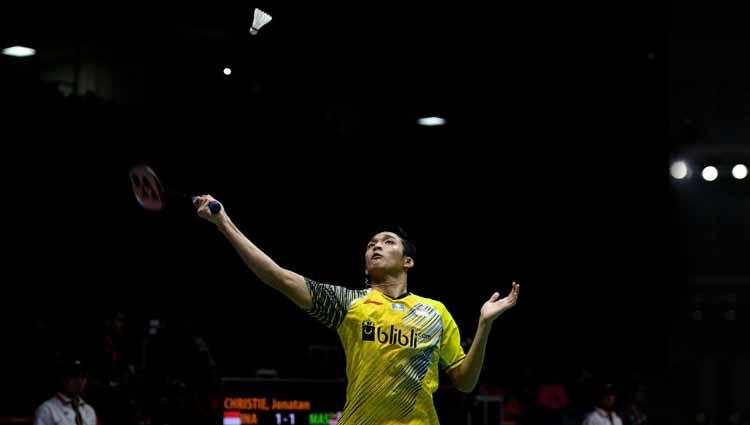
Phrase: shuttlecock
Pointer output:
(260, 19)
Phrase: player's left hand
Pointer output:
(495, 306)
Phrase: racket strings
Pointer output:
(146, 187)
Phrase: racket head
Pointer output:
(147, 188)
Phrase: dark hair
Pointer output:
(603, 390)
(71, 368)
(409, 249)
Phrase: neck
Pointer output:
(393, 286)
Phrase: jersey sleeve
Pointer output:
(451, 352)
(330, 303)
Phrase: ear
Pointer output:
(408, 263)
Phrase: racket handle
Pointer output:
(213, 206)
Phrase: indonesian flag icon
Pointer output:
(232, 418)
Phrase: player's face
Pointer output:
(385, 253)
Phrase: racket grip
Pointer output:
(213, 206)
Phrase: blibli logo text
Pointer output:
(390, 335)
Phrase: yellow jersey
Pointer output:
(393, 350)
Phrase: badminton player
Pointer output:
(394, 340)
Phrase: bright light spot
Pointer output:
(739, 171)
(431, 121)
(679, 170)
(227, 71)
(710, 173)
(19, 51)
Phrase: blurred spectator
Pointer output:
(604, 413)
(515, 411)
(113, 372)
(181, 377)
(633, 413)
(67, 407)
(551, 399)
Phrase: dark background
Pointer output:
(552, 171)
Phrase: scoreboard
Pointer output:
(261, 401)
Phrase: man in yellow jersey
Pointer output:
(394, 340)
